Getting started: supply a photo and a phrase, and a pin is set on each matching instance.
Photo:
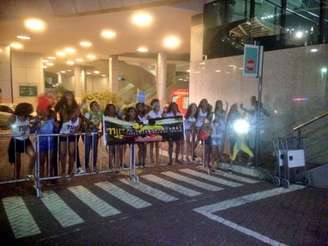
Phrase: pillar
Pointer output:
(79, 83)
(113, 74)
(6, 93)
(161, 77)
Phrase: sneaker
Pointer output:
(30, 177)
(80, 170)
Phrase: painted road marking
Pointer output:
(19, 217)
(211, 178)
(98, 205)
(173, 186)
(122, 195)
(209, 211)
(158, 194)
(60, 210)
(191, 181)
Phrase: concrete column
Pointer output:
(59, 78)
(161, 77)
(79, 83)
(5, 76)
(113, 74)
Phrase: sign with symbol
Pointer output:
(252, 60)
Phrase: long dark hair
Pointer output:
(107, 109)
(63, 107)
(171, 105)
(208, 107)
(188, 113)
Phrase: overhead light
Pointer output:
(69, 70)
(91, 57)
(108, 34)
(23, 37)
(299, 34)
(34, 24)
(314, 50)
(60, 53)
(51, 58)
(79, 60)
(16, 45)
(103, 75)
(70, 50)
(50, 64)
(142, 49)
(188, 70)
(45, 60)
(63, 71)
(88, 73)
(171, 42)
(85, 44)
(142, 19)
(324, 70)
(70, 63)
(96, 72)
(218, 71)
(44, 66)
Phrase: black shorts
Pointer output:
(17, 146)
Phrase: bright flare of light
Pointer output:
(51, 58)
(241, 126)
(35, 25)
(70, 63)
(45, 60)
(85, 44)
(96, 72)
(60, 53)
(108, 34)
(324, 70)
(63, 71)
(88, 73)
(70, 50)
(299, 34)
(16, 45)
(142, 19)
(171, 42)
(79, 60)
(91, 57)
(103, 75)
(23, 37)
(314, 50)
(142, 49)
(50, 64)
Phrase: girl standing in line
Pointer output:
(173, 111)
(218, 134)
(20, 142)
(155, 113)
(69, 112)
(142, 147)
(190, 129)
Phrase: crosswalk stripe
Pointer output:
(191, 181)
(158, 194)
(173, 186)
(60, 210)
(123, 195)
(236, 177)
(20, 218)
(98, 205)
(211, 178)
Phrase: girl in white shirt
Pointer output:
(190, 129)
(155, 113)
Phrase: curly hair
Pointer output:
(24, 109)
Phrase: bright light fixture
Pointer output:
(70, 50)
(63, 71)
(60, 53)
(51, 58)
(70, 63)
(299, 34)
(171, 42)
(50, 64)
(44, 66)
(324, 70)
(96, 72)
(23, 37)
(142, 19)
(85, 43)
(241, 126)
(16, 45)
(34, 24)
(45, 60)
(108, 34)
(142, 49)
(103, 75)
(88, 73)
(218, 71)
(314, 50)
(69, 70)
(91, 57)
(79, 60)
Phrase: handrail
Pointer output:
(300, 126)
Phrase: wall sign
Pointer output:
(253, 55)
(28, 91)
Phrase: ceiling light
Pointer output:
(142, 19)
(299, 34)
(142, 49)
(70, 63)
(44, 66)
(108, 34)
(51, 58)
(91, 57)
(172, 42)
(35, 25)
(69, 70)
(79, 60)
(60, 53)
(103, 75)
(88, 73)
(218, 71)
(16, 45)
(23, 37)
(188, 70)
(324, 70)
(50, 64)
(45, 60)
(96, 72)
(70, 50)
(62, 71)
(314, 50)
(85, 44)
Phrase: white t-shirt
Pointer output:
(142, 119)
(69, 127)
(153, 115)
(189, 122)
(200, 118)
(171, 114)
(21, 129)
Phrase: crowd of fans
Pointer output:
(213, 127)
